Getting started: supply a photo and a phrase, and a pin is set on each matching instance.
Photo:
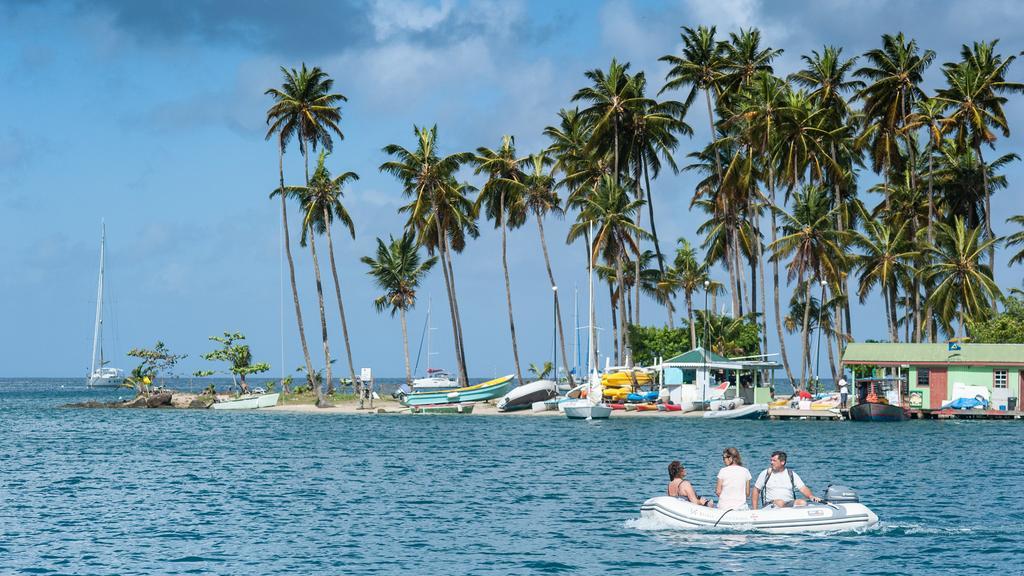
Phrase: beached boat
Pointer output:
(840, 511)
(248, 402)
(588, 407)
(523, 397)
(748, 412)
(478, 393)
(101, 375)
(460, 408)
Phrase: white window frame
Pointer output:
(1005, 380)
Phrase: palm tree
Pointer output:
(538, 196)
(304, 108)
(1016, 239)
(322, 201)
(813, 245)
(957, 175)
(398, 270)
(964, 286)
(692, 275)
(500, 202)
(758, 113)
(744, 59)
(895, 72)
(610, 211)
(974, 101)
(438, 212)
(928, 115)
(887, 251)
(610, 96)
(701, 67)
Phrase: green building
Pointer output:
(938, 373)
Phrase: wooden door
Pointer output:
(936, 387)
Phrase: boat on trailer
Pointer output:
(839, 511)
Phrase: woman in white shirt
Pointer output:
(733, 487)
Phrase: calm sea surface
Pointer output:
(205, 492)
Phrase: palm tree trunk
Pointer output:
(341, 306)
(508, 288)
(323, 319)
(689, 318)
(775, 282)
(442, 249)
(988, 210)
(806, 326)
(654, 229)
(931, 242)
(405, 348)
(893, 296)
(636, 271)
(458, 314)
(291, 270)
(554, 288)
(741, 278)
(615, 322)
(620, 271)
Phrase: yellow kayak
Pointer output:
(624, 379)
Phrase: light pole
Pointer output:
(704, 348)
(817, 353)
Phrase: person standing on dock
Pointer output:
(844, 391)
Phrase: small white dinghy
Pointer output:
(842, 511)
(250, 402)
(741, 412)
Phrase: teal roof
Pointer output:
(696, 356)
(896, 353)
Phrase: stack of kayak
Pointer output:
(621, 389)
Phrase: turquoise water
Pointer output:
(209, 492)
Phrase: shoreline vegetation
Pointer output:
(860, 175)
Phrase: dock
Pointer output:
(797, 414)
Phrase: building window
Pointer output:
(1000, 378)
(922, 377)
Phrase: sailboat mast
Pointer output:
(591, 358)
(429, 299)
(99, 303)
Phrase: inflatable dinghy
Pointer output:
(841, 511)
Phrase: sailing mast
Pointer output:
(98, 326)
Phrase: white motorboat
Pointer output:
(436, 379)
(101, 375)
(840, 511)
(523, 397)
(249, 402)
(730, 404)
(748, 412)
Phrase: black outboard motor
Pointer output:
(841, 495)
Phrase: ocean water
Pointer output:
(211, 492)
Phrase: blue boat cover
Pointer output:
(967, 403)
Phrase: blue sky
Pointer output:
(150, 115)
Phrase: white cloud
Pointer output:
(390, 17)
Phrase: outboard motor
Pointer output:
(841, 495)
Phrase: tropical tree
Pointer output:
(973, 99)
(610, 96)
(894, 74)
(398, 271)
(744, 59)
(323, 205)
(439, 211)
(692, 275)
(303, 108)
(237, 355)
(887, 251)
(813, 246)
(538, 197)
(501, 204)
(541, 372)
(1016, 239)
(702, 67)
(610, 212)
(964, 287)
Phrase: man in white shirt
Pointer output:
(778, 485)
(844, 391)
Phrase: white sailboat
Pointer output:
(592, 407)
(436, 378)
(101, 375)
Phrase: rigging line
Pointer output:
(419, 351)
